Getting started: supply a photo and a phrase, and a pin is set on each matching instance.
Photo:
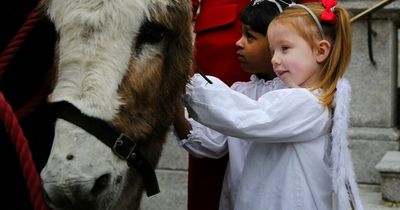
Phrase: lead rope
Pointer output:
(31, 176)
(12, 48)
(10, 120)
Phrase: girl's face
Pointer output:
(293, 60)
(253, 53)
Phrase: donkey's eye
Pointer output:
(151, 33)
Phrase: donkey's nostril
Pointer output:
(100, 185)
(70, 157)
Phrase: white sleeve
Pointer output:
(204, 142)
(286, 115)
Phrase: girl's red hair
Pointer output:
(334, 67)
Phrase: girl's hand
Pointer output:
(181, 124)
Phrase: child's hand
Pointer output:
(181, 124)
(199, 80)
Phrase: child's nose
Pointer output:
(239, 43)
(275, 60)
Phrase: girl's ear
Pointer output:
(323, 50)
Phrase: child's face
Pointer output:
(293, 60)
(253, 53)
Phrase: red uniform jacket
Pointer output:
(217, 28)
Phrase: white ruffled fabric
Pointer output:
(205, 142)
(342, 166)
(255, 151)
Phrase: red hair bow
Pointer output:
(327, 15)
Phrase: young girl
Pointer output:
(297, 157)
(254, 57)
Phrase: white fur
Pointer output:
(85, 171)
(342, 166)
(90, 70)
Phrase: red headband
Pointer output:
(328, 16)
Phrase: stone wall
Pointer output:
(374, 108)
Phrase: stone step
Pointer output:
(389, 169)
(371, 197)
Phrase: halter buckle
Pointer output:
(124, 147)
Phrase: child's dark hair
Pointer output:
(259, 15)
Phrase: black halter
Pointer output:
(123, 146)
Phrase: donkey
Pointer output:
(122, 65)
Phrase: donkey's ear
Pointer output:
(323, 50)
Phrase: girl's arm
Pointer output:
(198, 139)
(286, 115)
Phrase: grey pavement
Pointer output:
(176, 199)
(372, 199)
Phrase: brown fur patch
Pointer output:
(151, 90)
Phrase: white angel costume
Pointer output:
(205, 142)
(280, 146)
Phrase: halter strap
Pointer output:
(123, 146)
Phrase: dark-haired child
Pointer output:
(254, 57)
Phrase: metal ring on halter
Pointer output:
(316, 20)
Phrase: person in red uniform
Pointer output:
(217, 28)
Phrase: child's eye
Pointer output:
(249, 36)
(284, 48)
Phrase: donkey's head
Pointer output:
(126, 63)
